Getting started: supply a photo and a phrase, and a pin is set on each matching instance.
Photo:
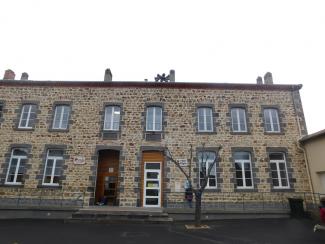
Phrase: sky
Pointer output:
(203, 41)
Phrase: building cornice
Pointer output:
(137, 84)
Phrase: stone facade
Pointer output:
(84, 136)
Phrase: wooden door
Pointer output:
(107, 177)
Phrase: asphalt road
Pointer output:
(223, 231)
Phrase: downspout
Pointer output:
(299, 146)
(307, 167)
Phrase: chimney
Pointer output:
(268, 80)
(259, 80)
(24, 76)
(108, 75)
(172, 75)
(9, 75)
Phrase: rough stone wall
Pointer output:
(84, 134)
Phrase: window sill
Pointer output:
(273, 133)
(212, 190)
(206, 132)
(50, 186)
(25, 129)
(153, 135)
(240, 133)
(282, 190)
(245, 189)
(58, 130)
(110, 135)
(13, 185)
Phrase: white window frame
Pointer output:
(60, 127)
(154, 118)
(55, 159)
(277, 162)
(115, 109)
(205, 124)
(29, 108)
(243, 162)
(237, 114)
(19, 158)
(268, 112)
(207, 163)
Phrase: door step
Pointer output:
(91, 215)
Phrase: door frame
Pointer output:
(98, 160)
(144, 184)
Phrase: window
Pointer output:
(205, 119)
(16, 167)
(238, 120)
(206, 159)
(243, 169)
(279, 170)
(27, 116)
(112, 118)
(53, 165)
(61, 117)
(271, 120)
(154, 119)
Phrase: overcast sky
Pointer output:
(203, 40)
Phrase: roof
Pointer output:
(137, 84)
(312, 136)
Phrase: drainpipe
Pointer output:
(308, 169)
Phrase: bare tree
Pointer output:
(202, 180)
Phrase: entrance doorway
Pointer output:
(152, 178)
(152, 184)
(107, 177)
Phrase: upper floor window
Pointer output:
(61, 117)
(243, 169)
(53, 165)
(271, 120)
(16, 167)
(154, 118)
(112, 118)
(27, 116)
(206, 159)
(238, 120)
(205, 119)
(279, 170)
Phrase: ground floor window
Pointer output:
(53, 166)
(243, 167)
(279, 170)
(206, 160)
(16, 167)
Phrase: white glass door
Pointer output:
(152, 184)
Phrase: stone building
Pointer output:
(108, 139)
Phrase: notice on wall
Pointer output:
(79, 160)
(182, 162)
(110, 170)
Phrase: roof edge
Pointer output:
(312, 136)
(189, 85)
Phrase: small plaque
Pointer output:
(79, 160)
(110, 170)
(183, 162)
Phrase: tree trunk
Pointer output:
(198, 195)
